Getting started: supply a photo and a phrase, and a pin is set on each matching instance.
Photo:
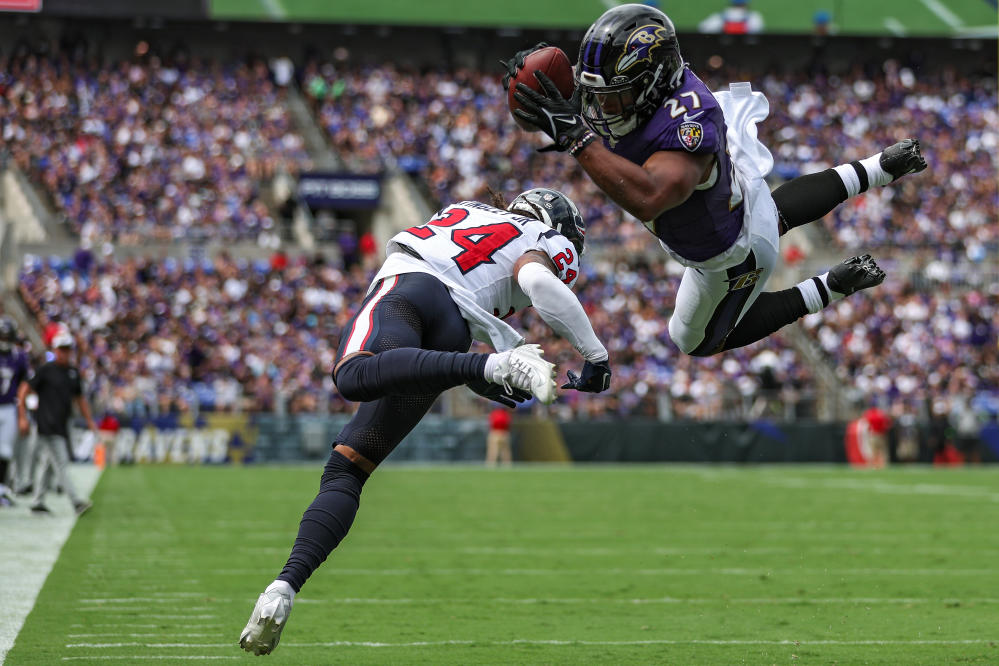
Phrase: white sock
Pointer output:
(859, 176)
(817, 292)
(282, 586)
(875, 174)
(492, 362)
(851, 181)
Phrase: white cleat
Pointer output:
(263, 631)
(524, 368)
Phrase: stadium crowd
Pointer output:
(168, 335)
(181, 151)
(454, 130)
(914, 344)
(150, 149)
(165, 335)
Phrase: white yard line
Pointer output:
(134, 657)
(151, 616)
(29, 547)
(871, 601)
(943, 13)
(274, 9)
(872, 486)
(591, 600)
(894, 26)
(145, 635)
(626, 571)
(132, 625)
(526, 641)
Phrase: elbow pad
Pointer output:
(560, 309)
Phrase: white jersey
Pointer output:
(473, 246)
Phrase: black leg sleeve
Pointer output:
(406, 371)
(327, 520)
(808, 198)
(771, 311)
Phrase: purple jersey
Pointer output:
(709, 221)
(13, 370)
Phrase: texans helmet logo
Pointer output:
(640, 45)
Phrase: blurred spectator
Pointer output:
(967, 425)
(736, 19)
(133, 151)
(867, 439)
(907, 346)
(498, 438)
(453, 129)
(822, 22)
(169, 334)
(283, 70)
(58, 387)
(368, 248)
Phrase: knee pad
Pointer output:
(347, 378)
(683, 336)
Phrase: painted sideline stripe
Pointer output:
(931, 489)
(619, 571)
(666, 600)
(527, 641)
(131, 657)
(30, 545)
(599, 600)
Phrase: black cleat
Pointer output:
(82, 507)
(854, 274)
(41, 509)
(902, 158)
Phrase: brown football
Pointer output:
(555, 64)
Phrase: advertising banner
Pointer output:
(340, 191)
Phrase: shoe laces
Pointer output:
(520, 367)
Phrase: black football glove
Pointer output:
(554, 115)
(594, 378)
(516, 63)
(497, 393)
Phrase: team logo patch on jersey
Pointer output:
(691, 134)
(744, 280)
(640, 45)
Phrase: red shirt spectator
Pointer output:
(499, 419)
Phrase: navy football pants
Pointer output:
(414, 345)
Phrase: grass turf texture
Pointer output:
(555, 565)
(913, 17)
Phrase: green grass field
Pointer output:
(553, 565)
(911, 17)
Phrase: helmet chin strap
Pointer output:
(622, 128)
(674, 80)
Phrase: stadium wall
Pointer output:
(440, 439)
(216, 438)
(456, 47)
